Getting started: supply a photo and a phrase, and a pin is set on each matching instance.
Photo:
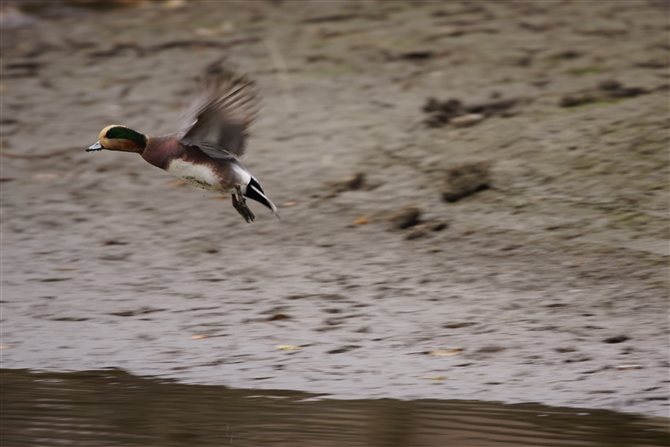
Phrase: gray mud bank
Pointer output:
(546, 282)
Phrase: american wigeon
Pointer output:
(213, 134)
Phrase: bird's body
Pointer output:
(191, 165)
(204, 152)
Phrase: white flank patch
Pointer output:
(198, 175)
(244, 177)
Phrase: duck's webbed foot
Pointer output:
(240, 204)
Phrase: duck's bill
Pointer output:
(95, 147)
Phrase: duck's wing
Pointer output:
(219, 115)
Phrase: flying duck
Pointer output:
(212, 136)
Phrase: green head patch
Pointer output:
(125, 133)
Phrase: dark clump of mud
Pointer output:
(608, 90)
(406, 217)
(453, 111)
(465, 179)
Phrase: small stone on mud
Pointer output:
(289, 348)
(617, 339)
(342, 349)
(417, 54)
(511, 247)
(467, 120)
(199, 336)
(626, 367)
(406, 217)
(278, 317)
(114, 242)
(465, 179)
(489, 349)
(564, 350)
(437, 226)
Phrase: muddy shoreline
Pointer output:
(552, 280)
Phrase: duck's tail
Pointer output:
(255, 191)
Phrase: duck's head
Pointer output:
(120, 138)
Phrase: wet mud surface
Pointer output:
(547, 282)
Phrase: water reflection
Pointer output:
(111, 408)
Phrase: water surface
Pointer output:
(114, 408)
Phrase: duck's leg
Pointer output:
(240, 204)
